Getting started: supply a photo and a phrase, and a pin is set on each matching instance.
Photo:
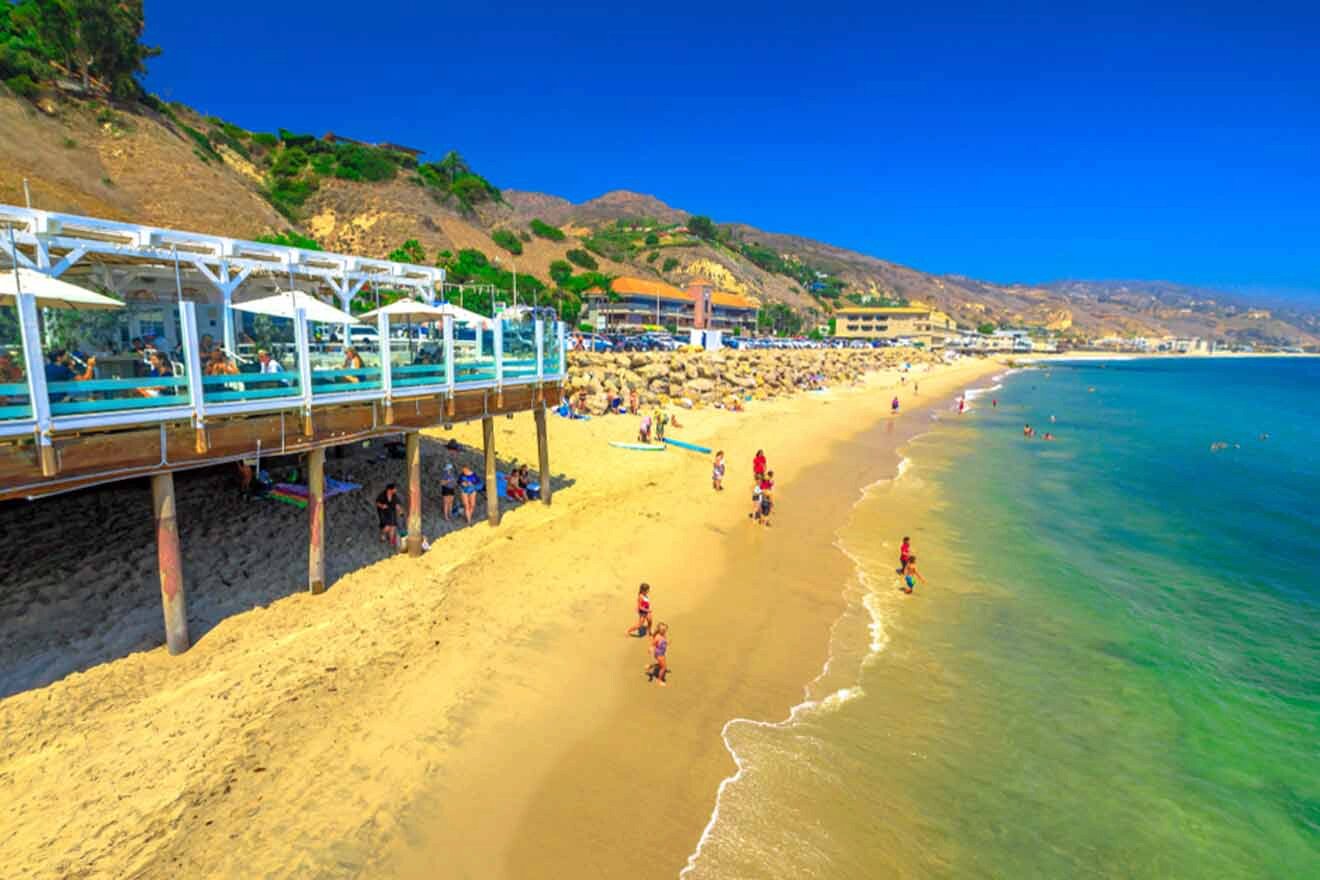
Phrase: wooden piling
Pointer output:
(413, 453)
(492, 479)
(316, 517)
(170, 563)
(543, 453)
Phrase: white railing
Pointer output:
(101, 405)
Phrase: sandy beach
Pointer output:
(475, 713)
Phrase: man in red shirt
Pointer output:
(758, 466)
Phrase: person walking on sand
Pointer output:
(448, 486)
(388, 508)
(904, 553)
(658, 670)
(909, 573)
(893, 406)
(661, 419)
(467, 485)
(758, 467)
(717, 472)
(962, 404)
(644, 430)
(766, 502)
(643, 625)
(632, 401)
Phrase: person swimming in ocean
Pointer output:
(1027, 431)
(910, 572)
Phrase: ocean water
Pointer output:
(1114, 670)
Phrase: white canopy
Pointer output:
(410, 308)
(51, 292)
(283, 304)
(463, 316)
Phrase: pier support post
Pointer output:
(170, 563)
(316, 516)
(543, 453)
(492, 479)
(413, 452)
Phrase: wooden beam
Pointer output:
(413, 453)
(492, 479)
(170, 563)
(316, 514)
(543, 453)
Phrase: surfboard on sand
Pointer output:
(694, 447)
(643, 447)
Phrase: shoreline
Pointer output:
(463, 683)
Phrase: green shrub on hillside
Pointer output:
(561, 271)
(289, 162)
(21, 85)
(472, 189)
(323, 164)
(222, 136)
(292, 139)
(291, 238)
(651, 257)
(670, 264)
(545, 230)
(507, 240)
(583, 259)
(264, 138)
(703, 227)
(363, 163)
(203, 143)
(411, 251)
(652, 239)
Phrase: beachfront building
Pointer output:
(130, 351)
(920, 324)
(634, 303)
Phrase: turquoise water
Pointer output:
(1115, 668)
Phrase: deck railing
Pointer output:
(37, 395)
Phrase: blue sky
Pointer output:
(1009, 141)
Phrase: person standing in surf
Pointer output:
(643, 612)
(658, 670)
(909, 573)
(904, 553)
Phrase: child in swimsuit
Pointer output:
(904, 553)
(909, 573)
(717, 472)
(643, 612)
(659, 670)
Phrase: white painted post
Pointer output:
(304, 363)
(499, 353)
(36, 377)
(449, 353)
(563, 349)
(383, 330)
(540, 350)
(192, 357)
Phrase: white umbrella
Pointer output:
(463, 316)
(409, 308)
(51, 292)
(283, 304)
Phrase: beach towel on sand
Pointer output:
(296, 493)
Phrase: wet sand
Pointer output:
(478, 712)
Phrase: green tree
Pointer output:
(669, 265)
(410, 251)
(545, 230)
(453, 166)
(560, 272)
(703, 227)
(985, 329)
(652, 239)
(95, 38)
(507, 240)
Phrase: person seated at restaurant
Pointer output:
(352, 361)
(138, 346)
(218, 365)
(206, 345)
(158, 367)
(266, 363)
(60, 368)
(149, 343)
(9, 370)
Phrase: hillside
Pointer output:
(167, 165)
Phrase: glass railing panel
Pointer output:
(15, 398)
(474, 355)
(519, 350)
(417, 356)
(114, 360)
(340, 366)
(264, 367)
(551, 348)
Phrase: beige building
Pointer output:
(918, 323)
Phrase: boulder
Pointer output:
(700, 386)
